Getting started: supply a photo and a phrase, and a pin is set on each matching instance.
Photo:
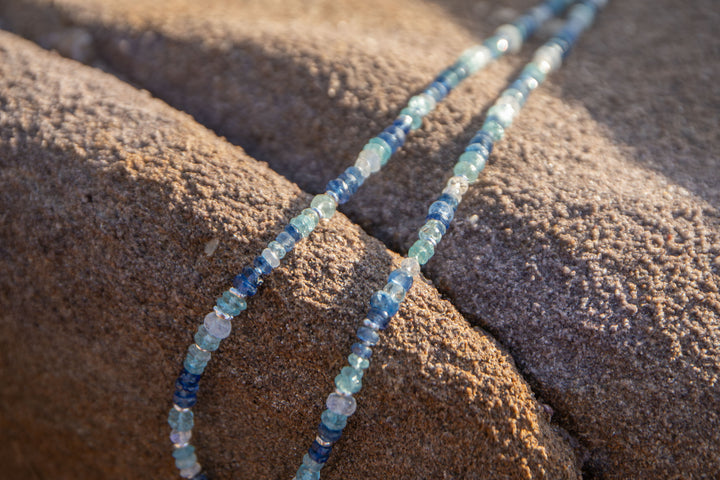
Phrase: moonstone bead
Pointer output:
(270, 258)
(180, 437)
(368, 159)
(513, 35)
(411, 266)
(385, 148)
(216, 326)
(422, 250)
(324, 204)
(504, 114)
(341, 404)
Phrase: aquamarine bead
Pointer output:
(206, 341)
(385, 149)
(196, 359)
(503, 113)
(332, 420)
(341, 404)
(466, 170)
(369, 160)
(191, 471)
(402, 278)
(305, 223)
(422, 250)
(475, 157)
(349, 381)
(495, 130)
(432, 232)
(475, 58)
(415, 115)
(513, 35)
(305, 473)
(324, 204)
(395, 291)
(181, 420)
(311, 464)
(497, 45)
(231, 304)
(186, 462)
(358, 362)
(183, 452)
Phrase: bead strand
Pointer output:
(384, 304)
(375, 154)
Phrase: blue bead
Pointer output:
(404, 122)
(437, 90)
(391, 139)
(564, 45)
(188, 379)
(402, 278)
(340, 189)
(483, 139)
(191, 387)
(286, 240)
(184, 402)
(521, 87)
(383, 301)
(368, 335)
(527, 26)
(293, 232)
(379, 318)
(262, 265)
(362, 351)
(452, 201)
(248, 281)
(398, 132)
(319, 453)
(492, 44)
(461, 71)
(557, 6)
(442, 212)
(353, 178)
(200, 476)
(329, 435)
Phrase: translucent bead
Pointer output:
(548, 58)
(476, 158)
(476, 57)
(186, 462)
(459, 183)
(324, 204)
(270, 257)
(341, 404)
(368, 336)
(583, 13)
(504, 114)
(180, 437)
(216, 326)
(312, 217)
(303, 224)
(312, 464)
(305, 473)
(286, 240)
(466, 170)
(327, 435)
(403, 121)
(206, 341)
(541, 13)
(442, 212)
(423, 103)
(196, 359)
(183, 452)
(358, 362)
(333, 420)
(191, 471)
(385, 149)
(494, 129)
(411, 266)
(362, 350)
(372, 158)
(513, 35)
(533, 71)
(349, 381)
(415, 115)
(511, 101)
(497, 45)
(384, 302)
(181, 421)
(402, 278)
(395, 291)
(432, 232)
(231, 304)
(422, 250)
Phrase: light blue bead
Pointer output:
(495, 130)
(333, 421)
(422, 251)
(341, 404)
(476, 157)
(304, 473)
(205, 340)
(231, 304)
(183, 452)
(432, 232)
(385, 151)
(181, 421)
(415, 115)
(311, 464)
(368, 336)
(349, 381)
(303, 224)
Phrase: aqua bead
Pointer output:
(324, 204)
(422, 250)
(476, 57)
(205, 340)
(196, 359)
(532, 70)
(305, 473)
(192, 472)
(477, 158)
(180, 437)
(231, 304)
(311, 464)
(183, 452)
(493, 127)
(415, 115)
(386, 149)
(449, 78)
(358, 362)
(181, 420)
(277, 249)
(432, 232)
(303, 225)
(186, 462)
(341, 404)
(423, 103)
(332, 420)
(467, 170)
(349, 380)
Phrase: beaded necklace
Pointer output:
(385, 303)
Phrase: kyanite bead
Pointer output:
(186, 462)
(231, 304)
(437, 91)
(414, 115)
(395, 291)
(180, 437)
(341, 404)
(339, 190)
(184, 399)
(485, 139)
(466, 170)
(353, 178)
(476, 158)
(328, 435)
(432, 232)
(494, 128)
(285, 240)
(368, 160)
(319, 453)
(358, 362)
(448, 78)
(190, 471)
(394, 137)
(423, 103)
(368, 336)
(324, 204)
(442, 212)
(383, 302)
(404, 122)
(247, 282)
(188, 379)
(361, 350)
(305, 473)
(513, 35)
(205, 340)
(181, 420)
(262, 265)
(270, 257)
(401, 278)
(216, 326)
(449, 199)
(199, 476)
(183, 452)
(422, 250)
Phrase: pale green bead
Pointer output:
(415, 115)
(382, 149)
(277, 249)
(476, 57)
(504, 114)
(349, 381)
(358, 362)
(466, 170)
(324, 204)
(476, 158)
(423, 103)
(305, 222)
(513, 35)
(422, 250)
(432, 232)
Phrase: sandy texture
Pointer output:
(110, 199)
(590, 248)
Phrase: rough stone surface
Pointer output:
(590, 247)
(122, 220)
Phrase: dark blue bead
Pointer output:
(444, 82)
(379, 318)
(293, 232)
(184, 402)
(248, 281)
(476, 147)
(437, 90)
(191, 387)
(404, 279)
(200, 476)
(483, 139)
(382, 301)
(442, 212)
(329, 435)
(449, 200)
(340, 189)
(319, 453)
(187, 378)
(527, 25)
(262, 265)
(404, 123)
(362, 351)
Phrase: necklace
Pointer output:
(384, 303)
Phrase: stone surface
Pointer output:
(593, 235)
(121, 222)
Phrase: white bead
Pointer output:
(363, 165)
(476, 57)
(512, 34)
(216, 326)
(373, 159)
(271, 258)
(341, 404)
(411, 266)
(548, 58)
(459, 181)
